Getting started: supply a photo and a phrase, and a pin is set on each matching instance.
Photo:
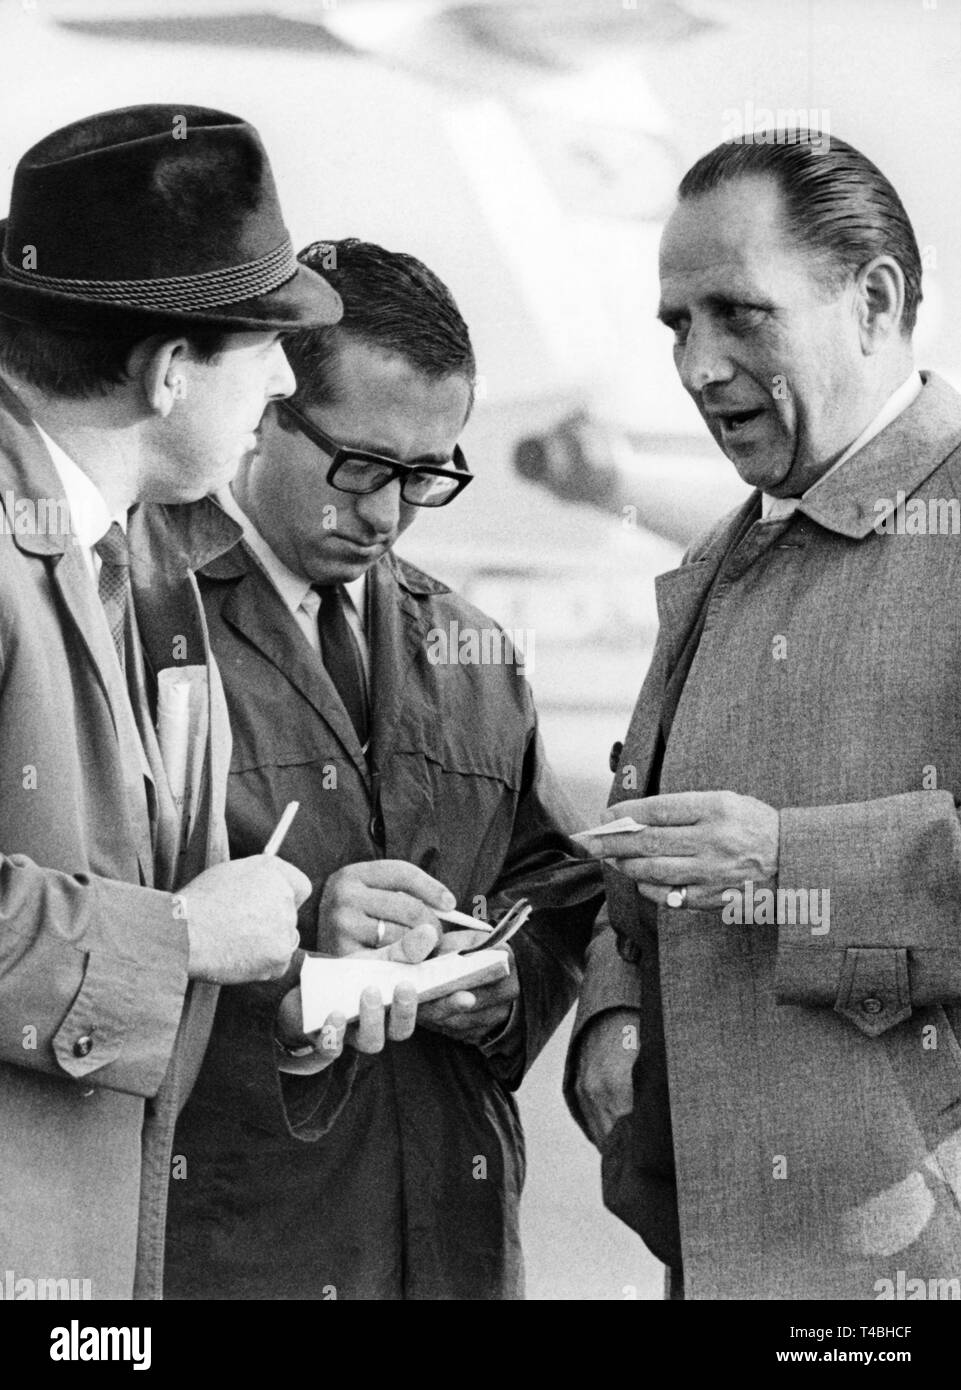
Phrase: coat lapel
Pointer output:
(254, 609)
(72, 581)
(680, 594)
(35, 477)
(397, 632)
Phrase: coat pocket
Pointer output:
(644, 1200)
(449, 800)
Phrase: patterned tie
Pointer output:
(338, 648)
(114, 583)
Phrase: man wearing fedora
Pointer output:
(146, 279)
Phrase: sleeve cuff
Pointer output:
(120, 1029)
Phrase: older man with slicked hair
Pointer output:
(780, 1112)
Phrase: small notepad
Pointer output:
(334, 984)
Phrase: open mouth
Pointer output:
(738, 419)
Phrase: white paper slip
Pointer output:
(334, 984)
(611, 827)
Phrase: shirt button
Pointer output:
(616, 750)
(872, 1006)
(83, 1046)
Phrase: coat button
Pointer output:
(616, 750)
(376, 829)
(872, 1006)
(83, 1046)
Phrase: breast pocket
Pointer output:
(449, 804)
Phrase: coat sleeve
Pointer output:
(565, 888)
(610, 982)
(888, 932)
(241, 1075)
(93, 975)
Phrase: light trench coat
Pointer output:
(100, 1033)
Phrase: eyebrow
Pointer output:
(435, 459)
(669, 315)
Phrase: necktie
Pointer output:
(114, 583)
(338, 648)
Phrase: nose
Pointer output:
(702, 359)
(282, 379)
(380, 511)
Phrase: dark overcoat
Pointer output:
(413, 1192)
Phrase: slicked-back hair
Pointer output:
(80, 366)
(392, 302)
(837, 204)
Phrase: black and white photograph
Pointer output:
(480, 667)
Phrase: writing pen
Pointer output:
(283, 825)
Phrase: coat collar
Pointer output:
(28, 474)
(850, 502)
(854, 500)
(184, 536)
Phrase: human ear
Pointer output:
(880, 290)
(158, 364)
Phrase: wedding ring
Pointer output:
(677, 897)
(381, 930)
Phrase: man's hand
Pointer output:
(242, 919)
(707, 842)
(603, 1084)
(471, 1016)
(384, 893)
(368, 1034)
(377, 1021)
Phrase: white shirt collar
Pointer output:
(89, 514)
(895, 405)
(291, 587)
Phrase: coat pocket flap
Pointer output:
(874, 992)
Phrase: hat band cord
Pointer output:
(206, 290)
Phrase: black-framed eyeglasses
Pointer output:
(359, 472)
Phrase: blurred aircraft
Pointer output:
(518, 149)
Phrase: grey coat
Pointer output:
(812, 1078)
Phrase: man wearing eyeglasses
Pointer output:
(422, 787)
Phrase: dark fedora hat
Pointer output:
(153, 215)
